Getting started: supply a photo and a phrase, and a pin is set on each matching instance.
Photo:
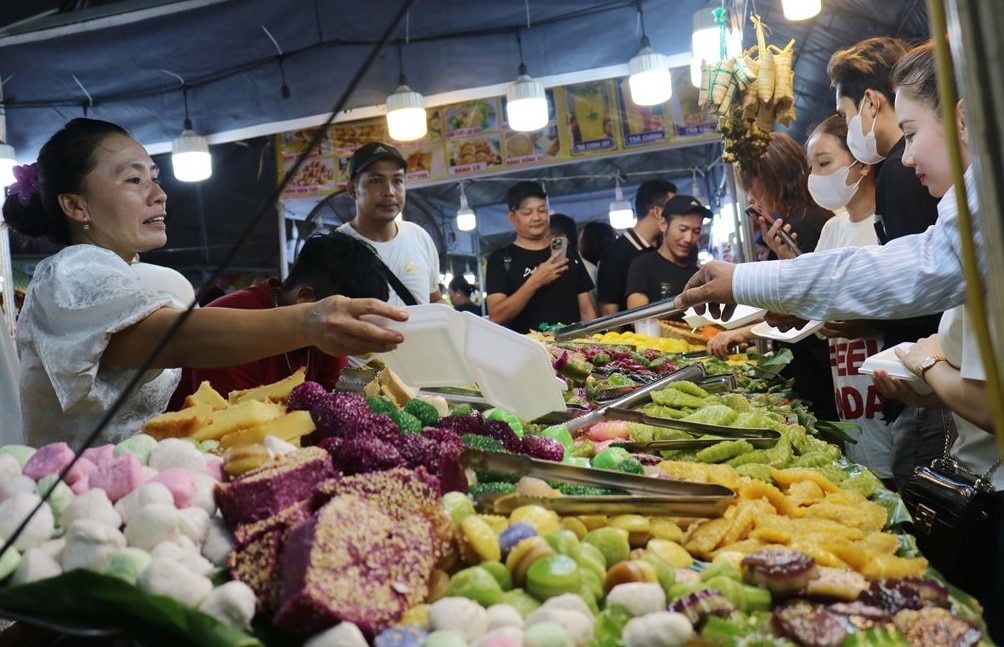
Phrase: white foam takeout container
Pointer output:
(888, 361)
(742, 316)
(763, 329)
(444, 347)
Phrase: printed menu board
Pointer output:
(318, 175)
(640, 125)
(473, 136)
(595, 118)
(689, 120)
(590, 117)
(537, 147)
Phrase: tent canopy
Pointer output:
(121, 60)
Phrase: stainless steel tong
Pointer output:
(663, 308)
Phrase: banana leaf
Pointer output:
(89, 601)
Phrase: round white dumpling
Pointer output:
(232, 603)
(16, 509)
(90, 544)
(167, 577)
(153, 524)
(93, 504)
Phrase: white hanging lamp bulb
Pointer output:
(621, 211)
(526, 99)
(800, 9)
(406, 118)
(190, 155)
(649, 78)
(8, 161)
(706, 40)
(466, 218)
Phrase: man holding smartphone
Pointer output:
(530, 282)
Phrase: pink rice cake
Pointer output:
(100, 455)
(119, 477)
(273, 487)
(48, 459)
(254, 559)
(353, 562)
(181, 483)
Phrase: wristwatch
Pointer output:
(928, 362)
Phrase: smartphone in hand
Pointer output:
(754, 212)
(559, 246)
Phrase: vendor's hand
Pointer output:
(711, 285)
(847, 329)
(720, 345)
(915, 354)
(336, 327)
(771, 239)
(784, 322)
(893, 388)
(549, 271)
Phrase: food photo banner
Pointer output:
(472, 138)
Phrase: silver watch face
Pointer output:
(928, 362)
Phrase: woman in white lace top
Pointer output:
(88, 323)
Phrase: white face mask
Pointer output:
(863, 147)
(832, 191)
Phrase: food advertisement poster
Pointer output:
(640, 125)
(688, 119)
(587, 119)
(590, 110)
(425, 156)
(538, 147)
(473, 134)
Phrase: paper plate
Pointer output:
(888, 361)
(512, 371)
(433, 350)
(762, 329)
(744, 315)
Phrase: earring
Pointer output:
(87, 225)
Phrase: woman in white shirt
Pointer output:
(88, 322)
(949, 362)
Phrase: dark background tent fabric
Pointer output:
(120, 52)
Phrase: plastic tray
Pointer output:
(762, 329)
(513, 371)
(432, 353)
(444, 347)
(888, 361)
(742, 316)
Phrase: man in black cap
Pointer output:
(643, 238)
(653, 277)
(529, 285)
(376, 184)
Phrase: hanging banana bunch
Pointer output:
(749, 93)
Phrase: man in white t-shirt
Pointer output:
(376, 184)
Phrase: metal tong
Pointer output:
(693, 372)
(647, 495)
(663, 308)
(758, 438)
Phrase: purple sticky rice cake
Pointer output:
(354, 562)
(398, 492)
(273, 487)
(254, 559)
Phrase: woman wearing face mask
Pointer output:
(949, 362)
(842, 184)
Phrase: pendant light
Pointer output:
(406, 119)
(466, 218)
(649, 78)
(800, 9)
(526, 99)
(190, 155)
(621, 211)
(706, 40)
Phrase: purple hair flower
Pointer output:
(25, 183)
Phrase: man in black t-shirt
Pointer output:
(527, 285)
(653, 277)
(640, 239)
